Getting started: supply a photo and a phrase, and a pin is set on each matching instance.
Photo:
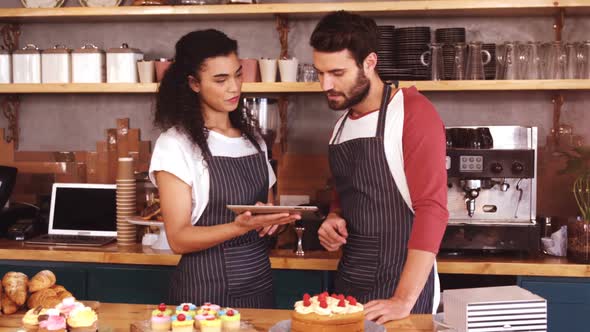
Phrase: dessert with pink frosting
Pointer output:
(161, 318)
(55, 322)
(67, 305)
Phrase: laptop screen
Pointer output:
(83, 209)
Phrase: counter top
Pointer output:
(285, 259)
(118, 317)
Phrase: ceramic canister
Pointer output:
(26, 65)
(88, 65)
(5, 66)
(122, 64)
(56, 65)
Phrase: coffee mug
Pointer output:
(268, 69)
(288, 69)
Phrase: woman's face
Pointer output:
(220, 83)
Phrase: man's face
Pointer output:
(341, 78)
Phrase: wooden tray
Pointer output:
(145, 326)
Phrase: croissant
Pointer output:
(42, 280)
(8, 306)
(64, 294)
(46, 298)
(58, 288)
(15, 287)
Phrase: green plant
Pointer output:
(578, 163)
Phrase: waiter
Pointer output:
(387, 157)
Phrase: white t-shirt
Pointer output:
(366, 126)
(176, 154)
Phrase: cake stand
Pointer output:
(162, 242)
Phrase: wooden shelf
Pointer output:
(302, 87)
(388, 8)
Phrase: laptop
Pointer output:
(81, 214)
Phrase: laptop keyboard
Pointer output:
(71, 240)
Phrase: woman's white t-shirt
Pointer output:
(176, 154)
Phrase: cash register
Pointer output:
(18, 221)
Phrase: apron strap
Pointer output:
(383, 110)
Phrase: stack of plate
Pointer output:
(385, 51)
(490, 69)
(409, 44)
(126, 202)
(449, 37)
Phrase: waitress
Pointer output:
(210, 155)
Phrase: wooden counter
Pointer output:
(118, 317)
(285, 259)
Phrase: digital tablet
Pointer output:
(262, 209)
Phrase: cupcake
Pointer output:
(55, 322)
(161, 320)
(201, 317)
(182, 323)
(211, 324)
(82, 320)
(210, 306)
(31, 319)
(230, 320)
(67, 305)
(188, 309)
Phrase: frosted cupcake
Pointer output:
(82, 320)
(55, 322)
(67, 305)
(201, 317)
(188, 309)
(161, 318)
(211, 324)
(230, 319)
(210, 306)
(31, 319)
(182, 323)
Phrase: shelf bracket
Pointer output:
(557, 101)
(283, 114)
(10, 36)
(559, 24)
(283, 29)
(10, 108)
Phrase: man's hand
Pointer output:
(383, 311)
(333, 232)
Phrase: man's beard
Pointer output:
(358, 92)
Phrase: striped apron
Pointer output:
(237, 272)
(378, 220)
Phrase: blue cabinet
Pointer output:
(568, 301)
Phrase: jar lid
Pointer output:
(88, 48)
(123, 49)
(57, 49)
(29, 49)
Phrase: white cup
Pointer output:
(146, 71)
(288, 69)
(268, 69)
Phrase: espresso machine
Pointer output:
(492, 190)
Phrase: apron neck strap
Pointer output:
(383, 111)
(381, 121)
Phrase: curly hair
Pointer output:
(178, 106)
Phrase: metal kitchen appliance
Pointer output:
(492, 189)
